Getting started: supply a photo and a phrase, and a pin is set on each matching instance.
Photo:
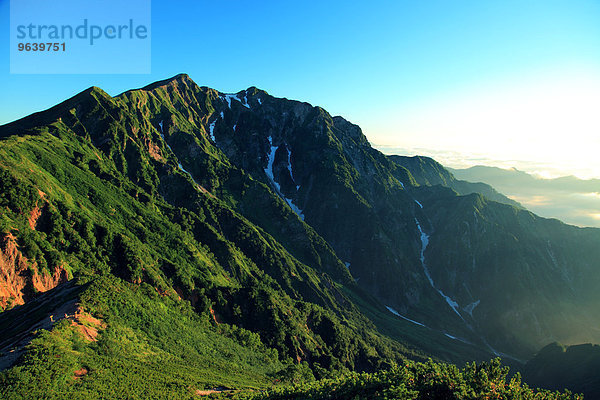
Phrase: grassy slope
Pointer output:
(106, 221)
(95, 222)
(150, 346)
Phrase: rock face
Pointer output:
(19, 277)
(292, 175)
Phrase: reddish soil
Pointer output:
(16, 279)
(154, 151)
(214, 315)
(87, 325)
(80, 373)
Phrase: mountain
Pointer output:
(429, 172)
(570, 199)
(566, 367)
(174, 232)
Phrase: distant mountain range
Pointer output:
(568, 198)
(176, 240)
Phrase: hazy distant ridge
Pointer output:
(570, 199)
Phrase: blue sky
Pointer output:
(394, 67)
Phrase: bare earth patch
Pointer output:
(80, 373)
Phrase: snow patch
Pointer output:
(234, 126)
(453, 304)
(396, 313)
(161, 126)
(269, 173)
(294, 208)
(289, 166)
(401, 184)
(424, 243)
(347, 264)
(190, 175)
(211, 131)
(469, 308)
(259, 101)
(390, 309)
(163, 138)
(457, 338)
(420, 205)
(269, 169)
(222, 116)
(229, 97)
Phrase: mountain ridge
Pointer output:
(566, 198)
(273, 218)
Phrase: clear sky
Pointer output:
(506, 80)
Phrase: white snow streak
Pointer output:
(289, 167)
(190, 175)
(259, 101)
(269, 173)
(424, 243)
(161, 126)
(294, 208)
(396, 313)
(229, 97)
(211, 131)
(420, 205)
(234, 126)
(269, 169)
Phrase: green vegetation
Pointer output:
(149, 346)
(418, 381)
(182, 281)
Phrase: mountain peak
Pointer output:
(175, 81)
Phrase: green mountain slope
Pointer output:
(429, 172)
(104, 211)
(269, 234)
(523, 280)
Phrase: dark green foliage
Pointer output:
(418, 381)
(15, 196)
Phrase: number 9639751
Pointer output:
(42, 46)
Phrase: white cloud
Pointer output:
(551, 120)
